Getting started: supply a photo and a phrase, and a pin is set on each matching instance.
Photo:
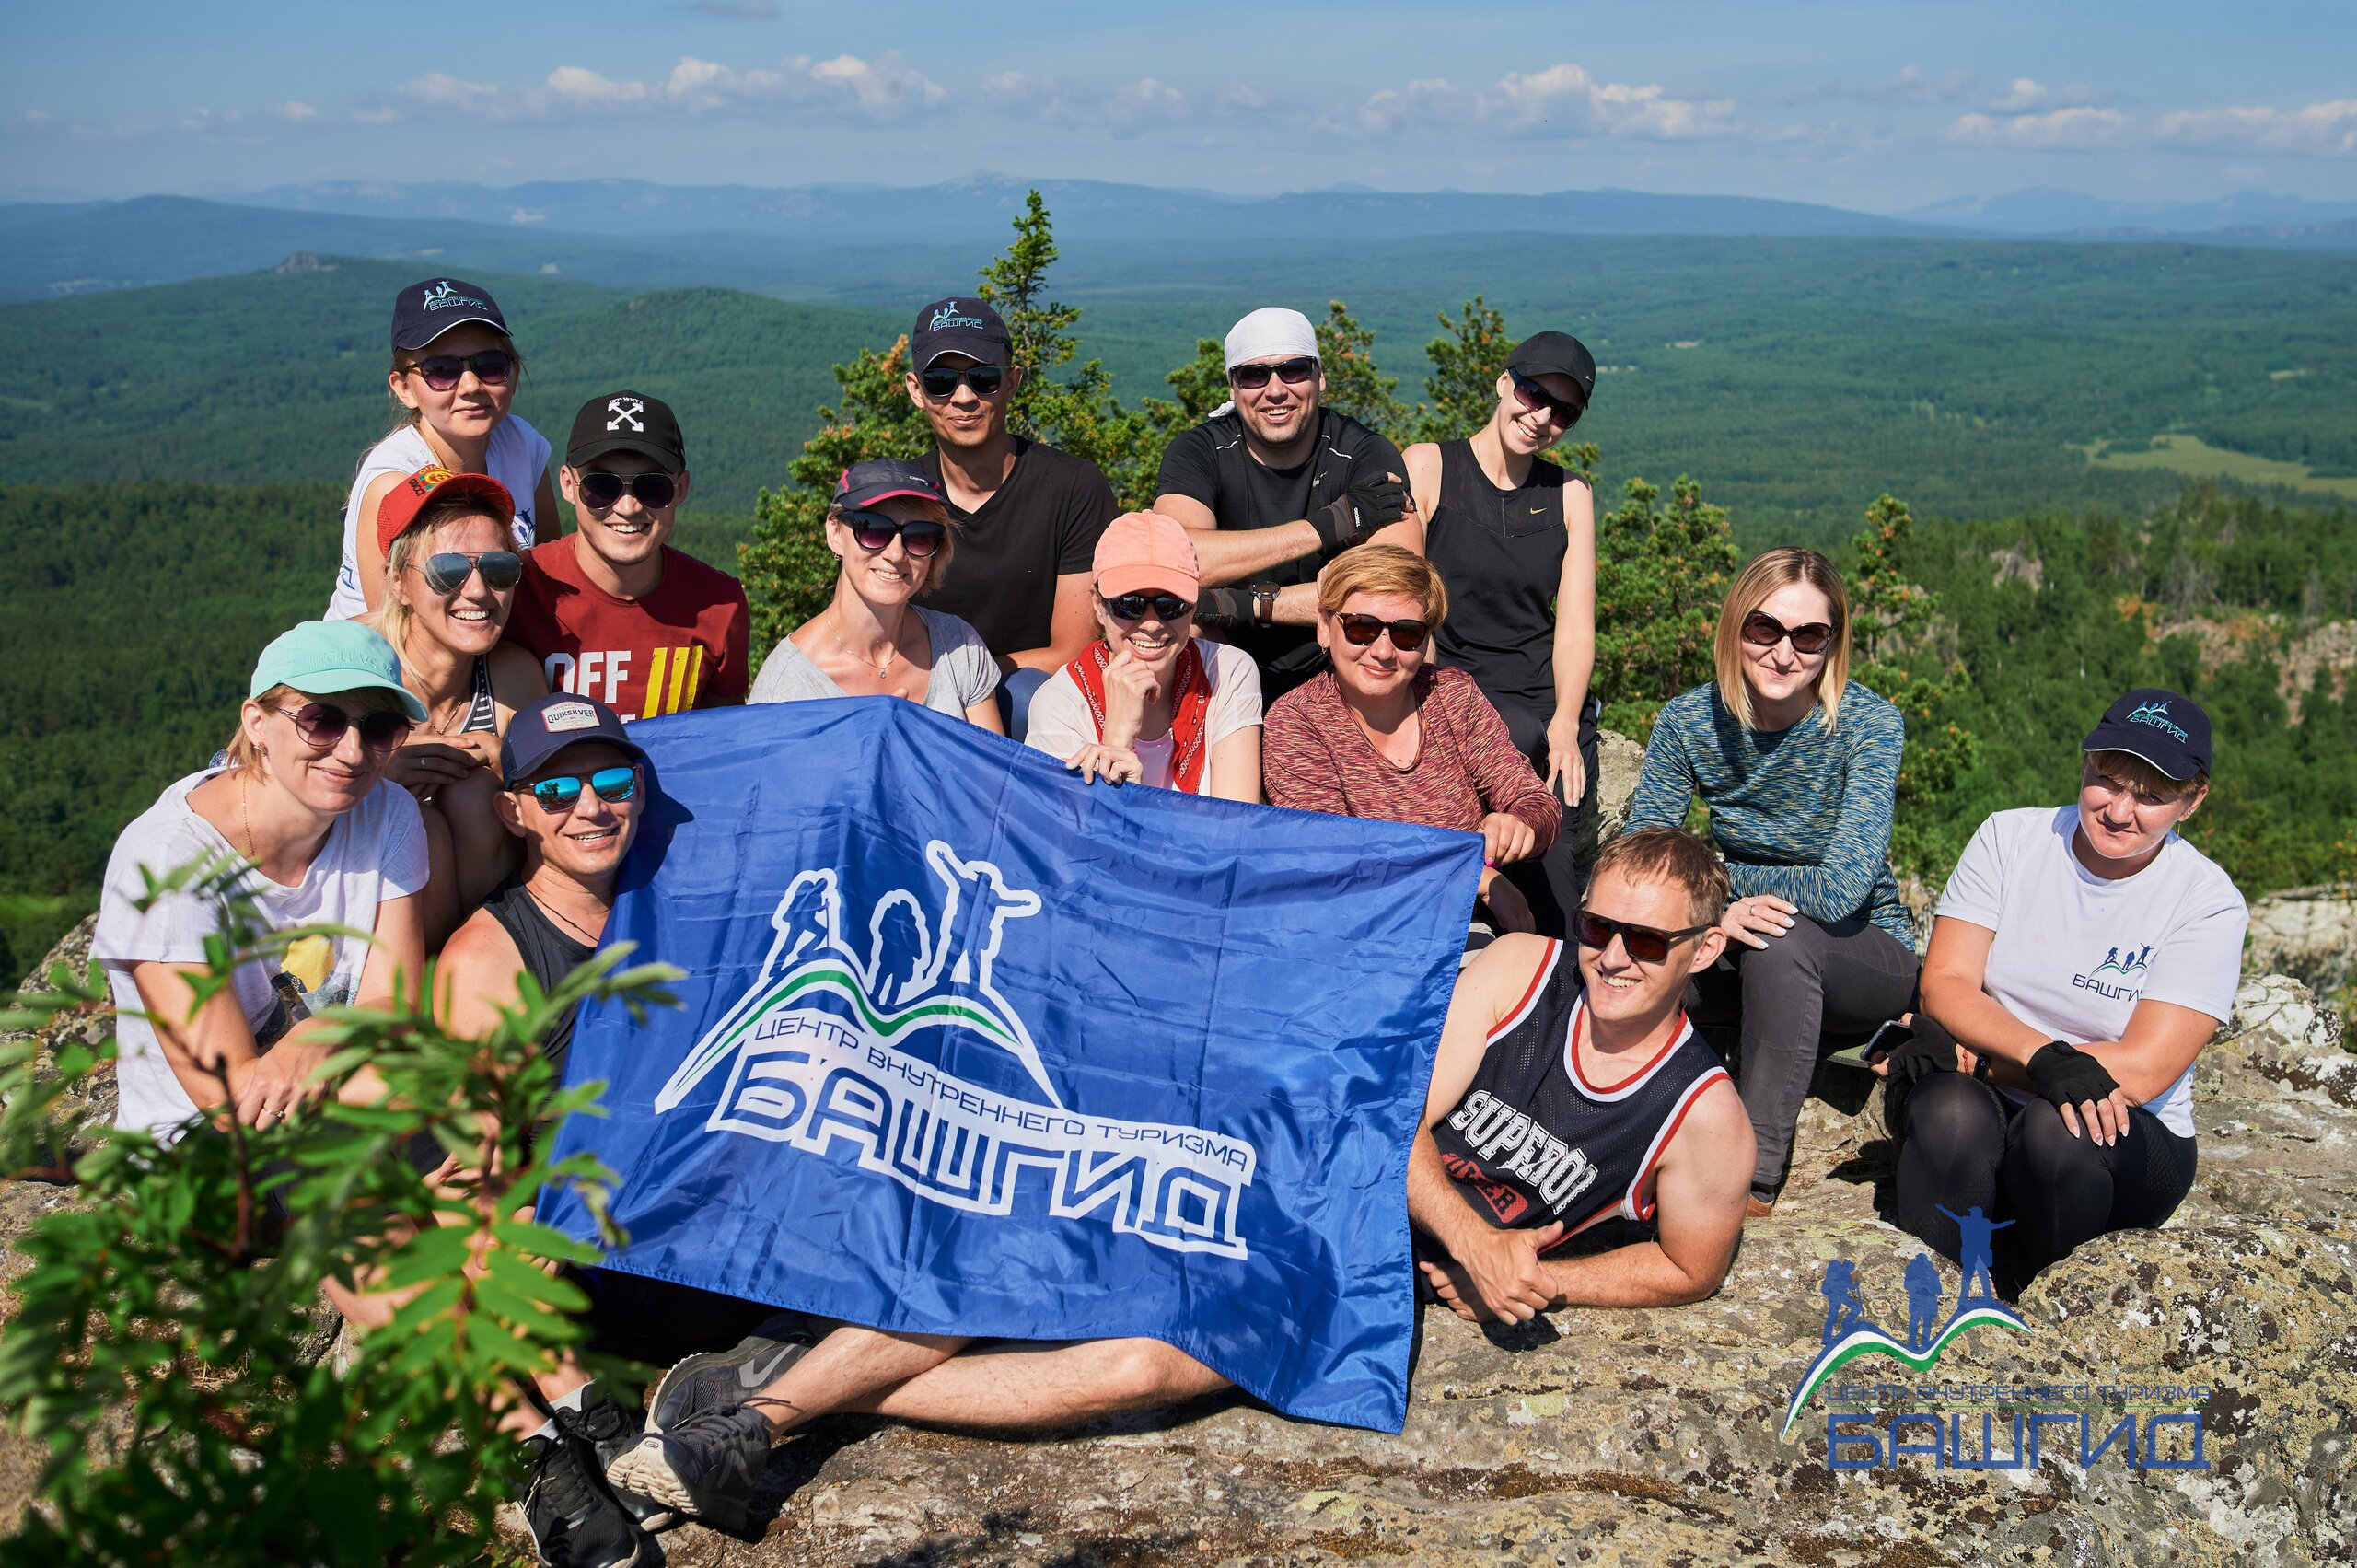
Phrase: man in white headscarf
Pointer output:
(1273, 486)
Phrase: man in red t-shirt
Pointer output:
(613, 613)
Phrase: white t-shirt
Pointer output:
(1060, 725)
(375, 851)
(2073, 954)
(517, 457)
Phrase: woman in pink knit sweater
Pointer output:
(1381, 734)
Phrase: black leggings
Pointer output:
(1961, 1143)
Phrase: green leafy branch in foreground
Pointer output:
(167, 1348)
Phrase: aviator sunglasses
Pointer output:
(601, 491)
(447, 572)
(493, 367)
(1644, 943)
(1132, 607)
(873, 532)
(1762, 630)
(1363, 629)
(1291, 372)
(559, 793)
(985, 381)
(1533, 396)
(323, 728)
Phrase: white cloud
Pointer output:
(378, 114)
(2058, 128)
(1565, 99)
(2328, 129)
(296, 111)
(887, 84)
(577, 87)
(1915, 85)
(1396, 109)
(735, 11)
(37, 117)
(2025, 95)
(437, 89)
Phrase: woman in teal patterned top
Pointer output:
(1799, 767)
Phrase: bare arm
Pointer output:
(985, 715)
(476, 977)
(366, 552)
(1235, 772)
(1575, 647)
(1072, 627)
(1422, 461)
(1227, 556)
(1699, 1192)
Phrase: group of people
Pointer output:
(1305, 616)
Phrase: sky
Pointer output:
(1881, 105)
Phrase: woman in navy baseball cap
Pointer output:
(453, 380)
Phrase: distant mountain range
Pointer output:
(834, 242)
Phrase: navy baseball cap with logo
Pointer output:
(542, 728)
(961, 324)
(880, 479)
(1556, 354)
(627, 422)
(424, 312)
(2165, 728)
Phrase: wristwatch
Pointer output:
(1264, 603)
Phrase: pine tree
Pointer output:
(1660, 575)
(1353, 385)
(1899, 651)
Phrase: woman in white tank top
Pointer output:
(449, 332)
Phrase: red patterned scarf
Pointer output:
(1190, 704)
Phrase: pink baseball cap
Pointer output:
(1140, 550)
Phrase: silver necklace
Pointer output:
(833, 619)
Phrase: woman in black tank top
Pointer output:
(1513, 537)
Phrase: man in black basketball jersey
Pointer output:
(1571, 1093)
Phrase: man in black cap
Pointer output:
(1514, 537)
(1027, 515)
(614, 612)
(1274, 487)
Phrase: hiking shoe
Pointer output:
(704, 1465)
(611, 1428)
(729, 1376)
(575, 1520)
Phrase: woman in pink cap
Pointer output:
(1150, 702)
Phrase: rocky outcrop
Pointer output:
(2309, 934)
(1653, 1437)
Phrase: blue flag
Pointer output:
(970, 1047)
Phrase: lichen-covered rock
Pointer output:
(1619, 762)
(2309, 934)
(1652, 1436)
(91, 1100)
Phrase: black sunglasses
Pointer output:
(493, 367)
(1644, 943)
(601, 491)
(446, 571)
(1132, 607)
(561, 792)
(875, 530)
(1762, 630)
(985, 379)
(323, 728)
(1531, 395)
(1291, 372)
(1363, 629)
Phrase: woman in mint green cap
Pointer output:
(300, 805)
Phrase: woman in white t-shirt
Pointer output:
(2079, 960)
(1149, 703)
(323, 840)
(453, 376)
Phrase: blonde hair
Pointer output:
(1775, 569)
(1669, 854)
(1383, 569)
(929, 511)
(404, 359)
(392, 619)
(2133, 770)
(244, 757)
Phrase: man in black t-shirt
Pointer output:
(1027, 516)
(1274, 487)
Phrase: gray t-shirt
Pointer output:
(964, 673)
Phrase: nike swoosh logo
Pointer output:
(758, 1376)
(1535, 510)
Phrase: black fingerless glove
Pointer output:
(1362, 510)
(1929, 1049)
(2062, 1075)
(1224, 610)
